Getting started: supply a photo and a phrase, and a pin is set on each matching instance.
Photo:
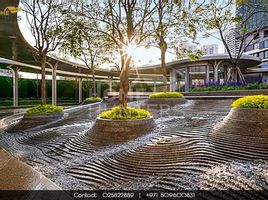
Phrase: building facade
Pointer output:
(210, 49)
(257, 32)
(232, 42)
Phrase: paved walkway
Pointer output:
(16, 175)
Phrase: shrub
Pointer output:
(229, 86)
(125, 113)
(43, 109)
(166, 95)
(94, 99)
(255, 101)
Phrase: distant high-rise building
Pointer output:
(232, 42)
(206, 49)
(190, 47)
(210, 49)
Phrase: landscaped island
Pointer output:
(125, 113)
(38, 115)
(92, 100)
(124, 121)
(165, 95)
(44, 109)
(165, 98)
(255, 101)
(249, 116)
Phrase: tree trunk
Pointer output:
(89, 88)
(124, 81)
(163, 49)
(43, 79)
(94, 83)
(37, 87)
(235, 75)
(164, 69)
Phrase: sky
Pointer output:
(142, 56)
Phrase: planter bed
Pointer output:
(159, 103)
(229, 93)
(89, 102)
(121, 130)
(245, 122)
(31, 121)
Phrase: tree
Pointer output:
(172, 23)
(45, 25)
(124, 23)
(84, 44)
(219, 16)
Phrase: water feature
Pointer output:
(180, 153)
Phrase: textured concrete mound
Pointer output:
(121, 130)
(31, 121)
(245, 121)
(157, 103)
(86, 102)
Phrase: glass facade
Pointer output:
(258, 20)
(265, 54)
(265, 44)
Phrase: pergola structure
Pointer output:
(16, 54)
(207, 67)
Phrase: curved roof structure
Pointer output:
(12, 40)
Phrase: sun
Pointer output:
(131, 49)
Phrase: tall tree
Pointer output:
(84, 44)
(173, 22)
(45, 25)
(124, 22)
(219, 15)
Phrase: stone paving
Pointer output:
(16, 175)
(181, 152)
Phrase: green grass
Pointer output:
(165, 95)
(255, 101)
(44, 109)
(93, 99)
(118, 113)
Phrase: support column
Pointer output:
(110, 84)
(15, 72)
(80, 90)
(207, 74)
(216, 68)
(130, 88)
(54, 84)
(216, 75)
(173, 81)
(154, 85)
(187, 79)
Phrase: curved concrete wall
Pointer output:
(244, 122)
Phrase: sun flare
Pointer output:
(131, 49)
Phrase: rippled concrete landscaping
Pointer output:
(182, 151)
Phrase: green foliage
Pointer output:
(93, 99)
(256, 86)
(255, 101)
(193, 56)
(141, 87)
(166, 95)
(44, 109)
(119, 113)
(250, 86)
